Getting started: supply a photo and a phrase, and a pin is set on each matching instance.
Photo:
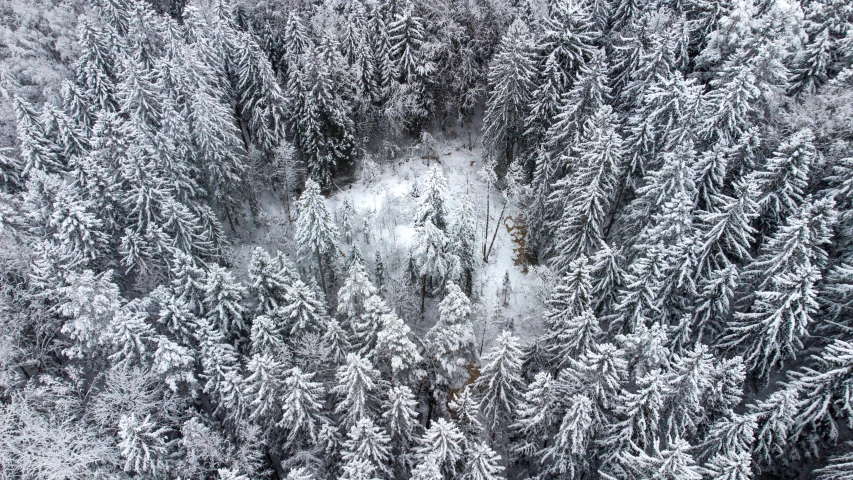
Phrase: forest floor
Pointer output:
(385, 201)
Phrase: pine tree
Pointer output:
(400, 416)
(302, 311)
(174, 363)
(262, 388)
(689, 383)
(433, 258)
(638, 415)
(500, 381)
(566, 455)
(316, 234)
(588, 194)
(442, 444)
(511, 75)
(367, 442)
(89, 302)
(451, 340)
(142, 445)
(366, 327)
(672, 462)
(223, 298)
(608, 277)
(379, 273)
(356, 289)
(405, 37)
(357, 381)
(431, 204)
(782, 182)
(483, 464)
(37, 150)
(727, 234)
(395, 349)
(269, 279)
(775, 419)
(466, 412)
(220, 369)
(714, 302)
(535, 415)
(301, 408)
(588, 94)
(130, 333)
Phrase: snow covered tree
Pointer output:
(269, 280)
(782, 182)
(432, 256)
(567, 453)
(483, 464)
(535, 415)
(588, 194)
(316, 233)
(500, 382)
(406, 36)
(451, 340)
(400, 416)
(366, 327)
(511, 75)
(356, 289)
(395, 349)
(366, 442)
(262, 389)
(174, 363)
(431, 203)
(142, 445)
(356, 386)
(442, 444)
(588, 94)
(302, 311)
(466, 413)
(223, 298)
(301, 408)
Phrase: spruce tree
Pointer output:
(500, 382)
(511, 75)
(316, 233)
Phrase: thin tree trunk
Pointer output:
(488, 203)
(320, 268)
(495, 235)
(423, 292)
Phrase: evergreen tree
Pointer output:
(368, 443)
(782, 182)
(316, 234)
(302, 312)
(441, 444)
(142, 445)
(301, 408)
(511, 75)
(483, 464)
(588, 194)
(269, 280)
(500, 381)
(356, 384)
(406, 36)
(395, 349)
(466, 412)
(535, 415)
(356, 289)
(262, 388)
(222, 301)
(431, 204)
(451, 340)
(400, 416)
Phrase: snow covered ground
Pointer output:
(387, 198)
